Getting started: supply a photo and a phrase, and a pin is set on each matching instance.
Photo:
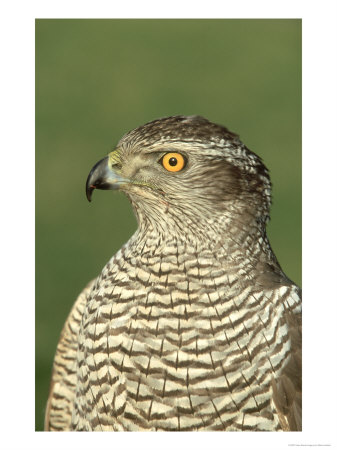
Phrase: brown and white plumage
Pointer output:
(192, 325)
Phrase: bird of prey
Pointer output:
(192, 325)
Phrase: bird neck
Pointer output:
(230, 240)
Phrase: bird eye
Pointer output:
(173, 162)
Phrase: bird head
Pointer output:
(186, 172)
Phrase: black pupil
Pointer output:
(173, 161)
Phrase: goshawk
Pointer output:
(192, 325)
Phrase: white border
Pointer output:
(17, 225)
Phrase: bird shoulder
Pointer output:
(63, 381)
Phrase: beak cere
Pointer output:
(103, 177)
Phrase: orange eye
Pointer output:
(173, 162)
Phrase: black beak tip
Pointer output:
(95, 177)
(88, 190)
(89, 196)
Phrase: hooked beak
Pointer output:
(104, 176)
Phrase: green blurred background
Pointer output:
(96, 80)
